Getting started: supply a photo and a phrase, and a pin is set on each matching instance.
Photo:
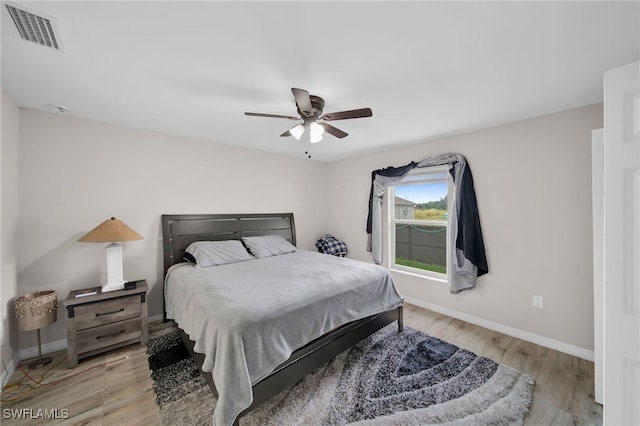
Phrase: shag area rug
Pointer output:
(390, 378)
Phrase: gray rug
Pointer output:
(390, 378)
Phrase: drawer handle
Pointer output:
(109, 335)
(98, 314)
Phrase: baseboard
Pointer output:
(504, 329)
(32, 352)
(156, 318)
(58, 345)
(28, 353)
(8, 372)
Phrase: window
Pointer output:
(418, 222)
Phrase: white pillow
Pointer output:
(215, 253)
(268, 245)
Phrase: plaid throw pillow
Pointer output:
(329, 244)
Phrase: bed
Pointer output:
(308, 350)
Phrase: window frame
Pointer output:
(392, 222)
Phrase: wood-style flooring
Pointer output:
(115, 389)
(564, 389)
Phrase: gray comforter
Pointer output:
(248, 317)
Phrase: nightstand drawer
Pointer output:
(107, 335)
(107, 312)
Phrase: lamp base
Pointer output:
(113, 286)
(115, 278)
(40, 362)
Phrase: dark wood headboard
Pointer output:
(180, 230)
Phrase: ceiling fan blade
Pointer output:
(333, 130)
(258, 114)
(343, 115)
(303, 101)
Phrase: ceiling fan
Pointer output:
(310, 111)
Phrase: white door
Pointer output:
(622, 246)
(597, 185)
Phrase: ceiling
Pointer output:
(426, 69)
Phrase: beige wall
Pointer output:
(533, 183)
(8, 228)
(75, 173)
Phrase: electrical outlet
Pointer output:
(538, 302)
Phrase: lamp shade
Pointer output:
(111, 231)
(36, 310)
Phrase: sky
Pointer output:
(422, 193)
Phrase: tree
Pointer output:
(441, 204)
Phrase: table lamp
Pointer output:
(34, 311)
(112, 231)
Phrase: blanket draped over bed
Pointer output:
(248, 317)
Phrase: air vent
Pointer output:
(35, 28)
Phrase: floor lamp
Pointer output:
(34, 311)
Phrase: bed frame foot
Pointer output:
(400, 320)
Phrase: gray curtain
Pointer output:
(467, 250)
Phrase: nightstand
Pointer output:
(101, 322)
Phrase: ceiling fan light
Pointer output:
(297, 131)
(315, 132)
